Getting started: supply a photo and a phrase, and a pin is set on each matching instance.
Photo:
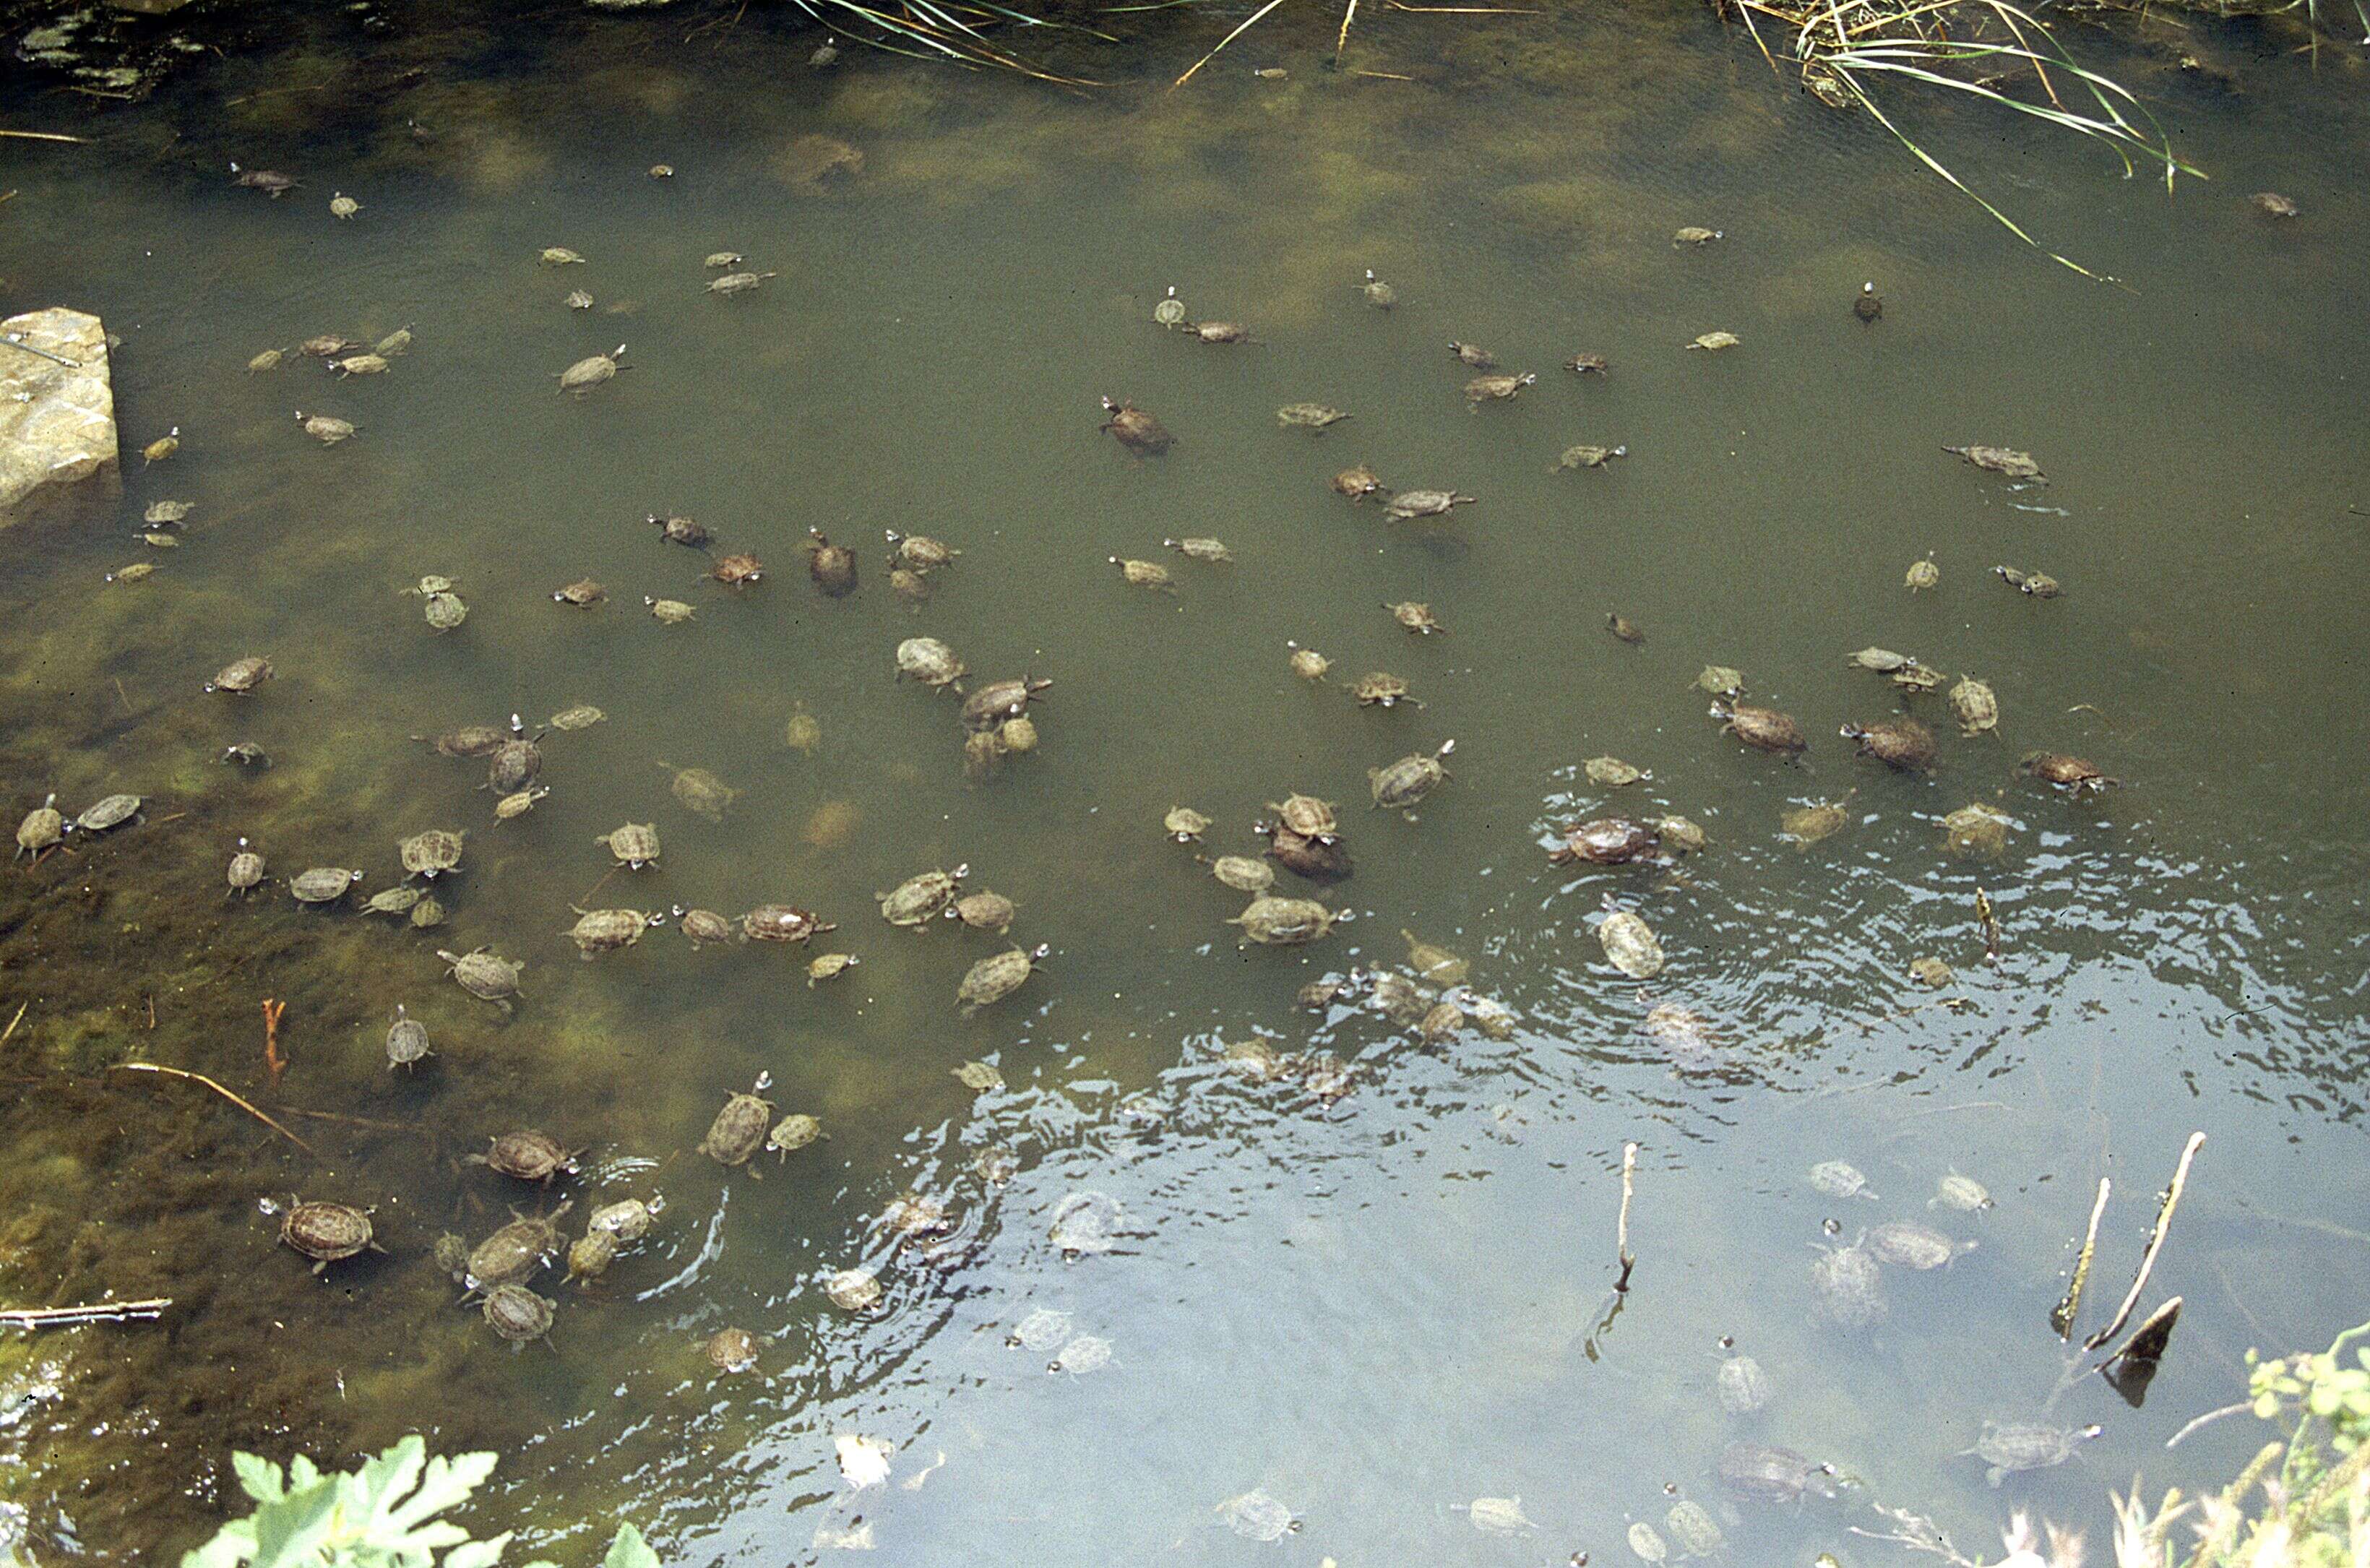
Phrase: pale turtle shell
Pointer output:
(1256, 1515)
(1839, 1178)
(1499, 1515)
(322, 884)
(109, 812)
(1087, 1353)
(1742, 1387)
(1043, 1329)
(1961, 1193)
(1088, 1222)
(1647, 1543)
(852, 1290)
(1697, 1533)
(1630, 945)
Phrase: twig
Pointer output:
(1990, 923)
(1621, 1241)
(1383, 76)
(91, 1312)
(2061, 1317)
(1230, 38)
(226, 1094)
(1342, 42)
(120, 696)
(40, 136)
(2156, 1244)
(343, 1120)
(1466, 10)
(13, 1023)
(272, 1059)
(2241, 1408)
(151, 1013)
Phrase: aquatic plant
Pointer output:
(382, 1515)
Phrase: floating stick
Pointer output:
(2156, 1244)
(226, 1094)
(2061, 1317)
(1621, 1241)
(93, 1312)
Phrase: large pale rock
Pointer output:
(57, 421)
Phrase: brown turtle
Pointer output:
(1903, 744)
(1606, 841)
(1137, 430)
(1764, 728)
(2073, 774)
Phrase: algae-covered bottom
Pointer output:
(1141, 1254)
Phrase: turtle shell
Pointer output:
(1257, 1517)
(629, 1219)
(1242, 873)
(793, 1132)
(995, 978)
(241, 675)
(1306, 815)
(512, 1254)
(322, 884)
(43, 826)
(1839, 1178)
(1695, 1529)
(1357, 483)
(606, 930)
(852, 1290)
(1136, 430)
(985, 911)
(702, 793)
(1410, 504)
(1764, 728)
(518, 1314)
(431, 853)
(397, 900)
(1908, 1245)
(1901, 744)
(105, 813)
(739, 1130)
(471, 740)
(1269, 922)
(929, 660)
(1974, 705)
(528, 1154)
(1848, 1287)
(583, 591)
(1776, 1475)
(705, 926)
(636, 845)
(407, 1040)
(590, 1254)
(991, 705)
(917, 900)
(1742, 1385)
(246, 870)
(1606, 841)
(1630, 945)
(583, 716)
(326, 1232)
(484, 974)
(513, 765)
(782, 923)
(1405, 783)
(731, 1349)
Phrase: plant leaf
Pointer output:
(259, 1477)
(629, 1550)
(478, 1553)
(292, 1530)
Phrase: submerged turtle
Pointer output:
(2074, 774)
(1216, 331)
(1922, 575)
(590, 1254)
(326, 428)
(1377, 688)
(1308, 816)
(1473, 355)
(1243, 874)
(1143, 573)
(1586, 456)
(1865, 305)
(327, 1232)
(1403, 785)
(1308, 416)
(2035, 584)
(831, 567)
(1999, 460)
(1357, 483)
(1774, 1475)
(484, 974)
(1415, 617)
(916, 901)
(1720, 680)
(1696, 233)
(401, 899)
(1408, 505)
(528, 1154)
(739, 1130)
(701, 927)
(1214, 551)
(1901, 744)
(322, 884)
(829, 966)
(1806, 825)
(731, 1350)
(1378, 293)
(627, 1219)
(1136, 430)
(1839, 1178)
(1624, 629)
(1742, 1387)
(469, 741)
(1307, 663)
(1588, 364)
(1630, 943)
(1320, 859)
(407, 1040)
(1764, 728)
(1975, 705)
(1270, 921)
(241, 675)
(513, 765)
(2010, 1447)
(1692, 1526)
(702, 793)
(1258, 1516)
(2272, 204)
(783, 923)
(984, 911)
(518, 1314)
(1848, 1287)
(993, 704)
(1976, 829)
(997, 976)
(1606, 841)
(1905, 1244)
(679, 530)
(597, 931)
(43, 827)
(591, 371)
(431, 853)
(852, 1290)
(1083, 1353)
(1497, 388)
(792, 1133)
(1961, 1193)
(636, 845)
(737, 283)
(1681, 835)
(444, 611)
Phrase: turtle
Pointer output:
(1270, 921)
(395, 345)
(1630, 943)
(1143, 573)
(1930, 972)
(1839, 1178)
(1136, 430)
(1695, 234)
(1184, 824)
(913, 1214)
(432, 584)
(1320, 859)
(993, 704)
(1170, 311)
(852, 1290)
(1922, 574)
(1882, 660)
(1408, 505)
(1682, 836)
(793, 1133)
(980, 1077)
(45, 826)
(407, 1040)
(1587, 457)
(326, 428)
(1356, 482)
(1402, 786)
(1497, 388)
(636, 845)
(1415, 617)
(1606, 841)
(271, 181)
(241, 677)
(1961, 1193)
(518, 802)
(2010, 1447)
(361, 364)
(529, 1155)
(1903, 744)
(1624, 629)
(597, 931)
(583, 716)
(1742, 1387)
(444, 611)
(518, 1314)
(679, 530)
(627, 1219)
(1774, 1475)
(1688, 1036)
(1214, 551)
(1762, 729)
(734, 570)
(516, 1252)
(246, 753)
(701, 927)
(2074, 774)
(1588, 364)
(167, 514)
(1647, 1542)
(2035, 584)
(997, 976)
(702, 793)
(737, 283)
(1243, 874)
(1720, 680)
(1976, 829)
(484, 974)
(1866, 305)
(1043, 1329)
(1257, 1517)
(451, 1256)
(669, 612)
(1308, 816)
(560, 256)
(739, 1129)
(1692, 1526)
(1018, 734)
(917, 900)
(1312, 417)
(1306, 662)
(268, 360)
(111, 811)
(1473, 356)
(136, 571)
(512, 766)
(1999, 460)
(577, 299)
(1612, 773)
(469, 741)
(1908, 1245)
(918, 552)
(589, 372)
(1376, 292)
(803, 730)
(1848, 1288)
(830, 566)
(1433, 964)
(590, 1254)
(723, 259)
(731, 1350)
(244, 874)
(1975, 705)
(401, 899)
(427, 913)
(783, 923)
(1216, 331)
(1712, 343)
(1806, 825)
(1378, 688)
(1083, 1353)
(322, 884)
(2272, 204)
(984, 911)
(432, 852)
(328, 345)
(982, 754)
(326, 1232)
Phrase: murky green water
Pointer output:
(1375, 1310)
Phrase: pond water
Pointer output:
(1376, 1309)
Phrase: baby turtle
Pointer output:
(980, 1077)
(1379, 689)
(702, 793)
(1774, 1475)
(2073, 774)
(1681, 835)
(395, 345)
(1976, 829)
(1922, 575)
(829, 966)
(399, 899)
(518, 1314)
(2272, 204)
(444, 611)
(1961, 1193)
(469, 741)
(1933, 974)
(1307, 663)
(361, 364)
(1712, 343)
(528, 1154)
(268, 360)
(518, 802)
(1865, 305)
(1308, 416)
(111, 812)
(731, 1349)
(322, 884)
(1433, 964)
(326, 428)
(1143, 573)
(793, 1133)
(1900, 744)
(998, 702)
(514, 1254)
(1624, 629)
(244, 874)
(589, 372)
(560, 256)
(917, 900)
(1630, 945)
(137, 572)
(1606, 841)
(1408, 505)
(1242, 873)
(1882, 660)
(1184, 824)
(993, 978)
(1258, 1516)
(734, 570)
(407, 1040)
(683, 531)
(1612, 773)
(484, 974)
(831, 567)
(636, 845)
(1975, 705)
(919, 551)
(1839, 1178)
(739, 1130)
(1018, 734)
(1378, 293)
(1648, 1544)
(1741, 1386)
(2025, 1446)
(669, 612)
(583, 716)
(1695, 234)
(167, 514)
(1402, 786)
(1306, 816)
(1762, 729)
(1357, 483)
(627, 1219)
(852, 1290)
(701, 927)
(1720, 680)
(1497, 388)
(723, 259)
(431, 853)
(45, 826)
(161, 448)
(1585, 457)
(2037, 585)
(984, 911)
(1847, 1287)
(597, 931)
(1697, 1533)
(737, 283)
(1217, 331)
(1415, 617)
(1999, 460)
(1211, 550)
(578, 300)
(241, 675)
(590, 1254)
(1806, 825)
(783, 923)
(326, 1232)
(1136, 430)
(1270, 921)
(427, 914)
(1041, 1329)
(1472, 355)
(1588, 364)
(1326, 859)
(1905, 1244)
(803, 730)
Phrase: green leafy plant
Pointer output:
(382, 1515)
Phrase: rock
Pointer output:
(57, 423)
